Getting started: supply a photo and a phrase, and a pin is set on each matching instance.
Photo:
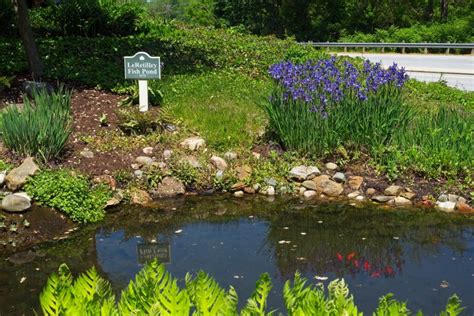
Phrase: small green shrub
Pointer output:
(41, 128)
(70, 193)
(134, 122)
(155, 292)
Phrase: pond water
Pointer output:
(421, 256)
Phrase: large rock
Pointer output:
(169, 187)
(301, 173)
(16, 178)
(401, 201)
(394, 190)
(15, 203)
(193, 143)
(382, 198)
(355, 182)
(327, 186)
(463, 207)
(243, 172)
(219, 163)
(447, 206)
(311, 185)
(309, 194)
(331, 166)
(144, 161)
(140, 197)
(191, 160)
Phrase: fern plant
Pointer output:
(155, 292)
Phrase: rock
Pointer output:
(393, 190)
(239, 194)
(219, 174)
(271, 191)
(116, 199)
(2, 177)
(230, 155)
(443, 198)
(148, 151)
(339, 177)
(193, 143)
(310, 194)
(169, 187)
(453, 197)
(238, 186)
(15, 203)
(219, 163)
(256, 155)
(408, 195)
(190, 160)
(310, 184)
(144, 161)
(243, 172)
(167, 154)
(256, 187)
(302, 190)
(331, 166)
(135, 166)
(138, 174)
(447, 206)
(284, 189)
(353, 195)
(23, 194)
(86, 153)
(22, 257)
(107, 180)
(301, 173)
(327, 186)
(140, 197)
(271, 182)
(463, 207)
(370, 191)
(360, 198)
(461, 199)
(17, 177)
(355, 182)
(401, 201)
(249, 190)
(382, 198)
(32, 87)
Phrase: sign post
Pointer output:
(143, 67)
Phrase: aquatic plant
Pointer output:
(155, 292)
(320, 105)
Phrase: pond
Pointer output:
(421, 256)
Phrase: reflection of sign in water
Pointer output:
(159, 251)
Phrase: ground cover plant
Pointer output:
(41, 127)
(155, 292)
(70, 193)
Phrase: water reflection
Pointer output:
(407, 252)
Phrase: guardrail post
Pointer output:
(472, 51)
(327, 47)
(383, 48)
(447, 49)
(345, 49)
(363, 50)
(426, 49)
(403, 48)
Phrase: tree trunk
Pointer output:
(429, 10)
(26, 33)
(444, 10)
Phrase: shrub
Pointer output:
(317, 106)
(41, 127)
(70, 193)
(156, 292)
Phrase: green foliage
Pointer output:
(155, 292)
(155, 96)
(70, 193)
(456, 31)
(5, 82)
(5, 166)
(134, 122)
(41, 127)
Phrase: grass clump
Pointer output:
(70, 193)
(41, 127)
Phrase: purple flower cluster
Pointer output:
(327, 82)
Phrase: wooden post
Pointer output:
(447, 50)
(403, 48)
(426, 49)
(383, 48)
(143, 95)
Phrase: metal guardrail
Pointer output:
(403, 46)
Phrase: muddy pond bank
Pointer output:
(422, 256)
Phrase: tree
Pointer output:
(34, 61)
(444, 10)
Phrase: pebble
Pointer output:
(339, 177)
(331, 166)
(239, 194)
(310, 194)
(167, 154)
(271, 191)
(148, 150)
(353, 195)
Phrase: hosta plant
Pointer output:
(155, 292)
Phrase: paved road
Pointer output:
(457, 71)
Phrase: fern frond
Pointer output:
(340, 302)
(453, 307)
(154, 292)
(257, 303)
(56, 295)
(388, 306)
